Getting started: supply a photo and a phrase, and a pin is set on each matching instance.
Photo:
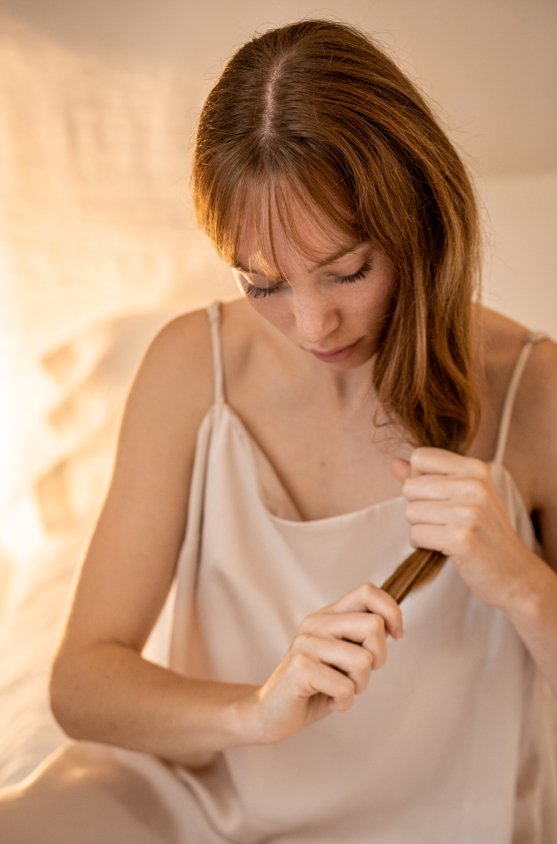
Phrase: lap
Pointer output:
(85, 793)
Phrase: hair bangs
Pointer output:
(266, 205)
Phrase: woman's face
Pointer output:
(331, 305)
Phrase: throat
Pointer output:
(347, 390)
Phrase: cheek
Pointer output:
(386, 295)
(375, 303)
(271, 308)
(387, 300)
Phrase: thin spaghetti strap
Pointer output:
(508, 404)
(213, 312)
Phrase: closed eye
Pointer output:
(256, 292)
(359, 274)
(260, 292)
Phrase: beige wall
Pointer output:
(98, 104)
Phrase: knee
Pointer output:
(14, 817)
(83, 797)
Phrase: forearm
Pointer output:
(109, 693)
(532, 609)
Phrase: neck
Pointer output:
(341, 392)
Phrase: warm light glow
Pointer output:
(21, 531)
(8, 431)
(20, 525)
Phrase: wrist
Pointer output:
(242, 720)
(222, 720)
(524, 599)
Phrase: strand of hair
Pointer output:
(414, 572)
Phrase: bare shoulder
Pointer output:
(180, 362)
(536, 397)
(535, 421)
(531, 453)
(502, 338)
(131, 557)
(250, 353)
(179, 359)
(497, 344)
(534, 411)
(535, 438)
(169, 395)
(242, 329)
(502, 341)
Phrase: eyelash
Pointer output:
(359, 274)
(263, 292)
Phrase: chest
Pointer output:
(330, 461)
(327, 466)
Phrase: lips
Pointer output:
(340, 353)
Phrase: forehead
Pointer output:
(303, 238)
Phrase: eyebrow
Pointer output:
(330, 259)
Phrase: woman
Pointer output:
(354, 405)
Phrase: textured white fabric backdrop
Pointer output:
(98, 103)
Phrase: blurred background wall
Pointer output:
(98, 103)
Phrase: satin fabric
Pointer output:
(450, 743)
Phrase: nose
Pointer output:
(315, 317)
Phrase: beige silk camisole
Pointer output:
(446, 744)
(449, 744)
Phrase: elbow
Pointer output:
(63, 693)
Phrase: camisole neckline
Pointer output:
(236, 421)
(496, 464)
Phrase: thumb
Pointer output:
(401, 469)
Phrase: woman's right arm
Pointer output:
(102, 689)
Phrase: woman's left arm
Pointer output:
(454, 507)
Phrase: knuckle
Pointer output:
(407, 487)
(481, 469)
(376, 654)
(365, 661)
(477, 491)
(469, 516)
(299, 662)
(345, 696)
(302, 642)
(347, 685)
(369, 590)
(307, 624)
(463, 538)
(391, 604)
(415, 536)
(367, 593)
(416, 457)
(376, 624)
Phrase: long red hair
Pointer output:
(316, 111)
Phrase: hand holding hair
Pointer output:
(329, 662)
(454, 509)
